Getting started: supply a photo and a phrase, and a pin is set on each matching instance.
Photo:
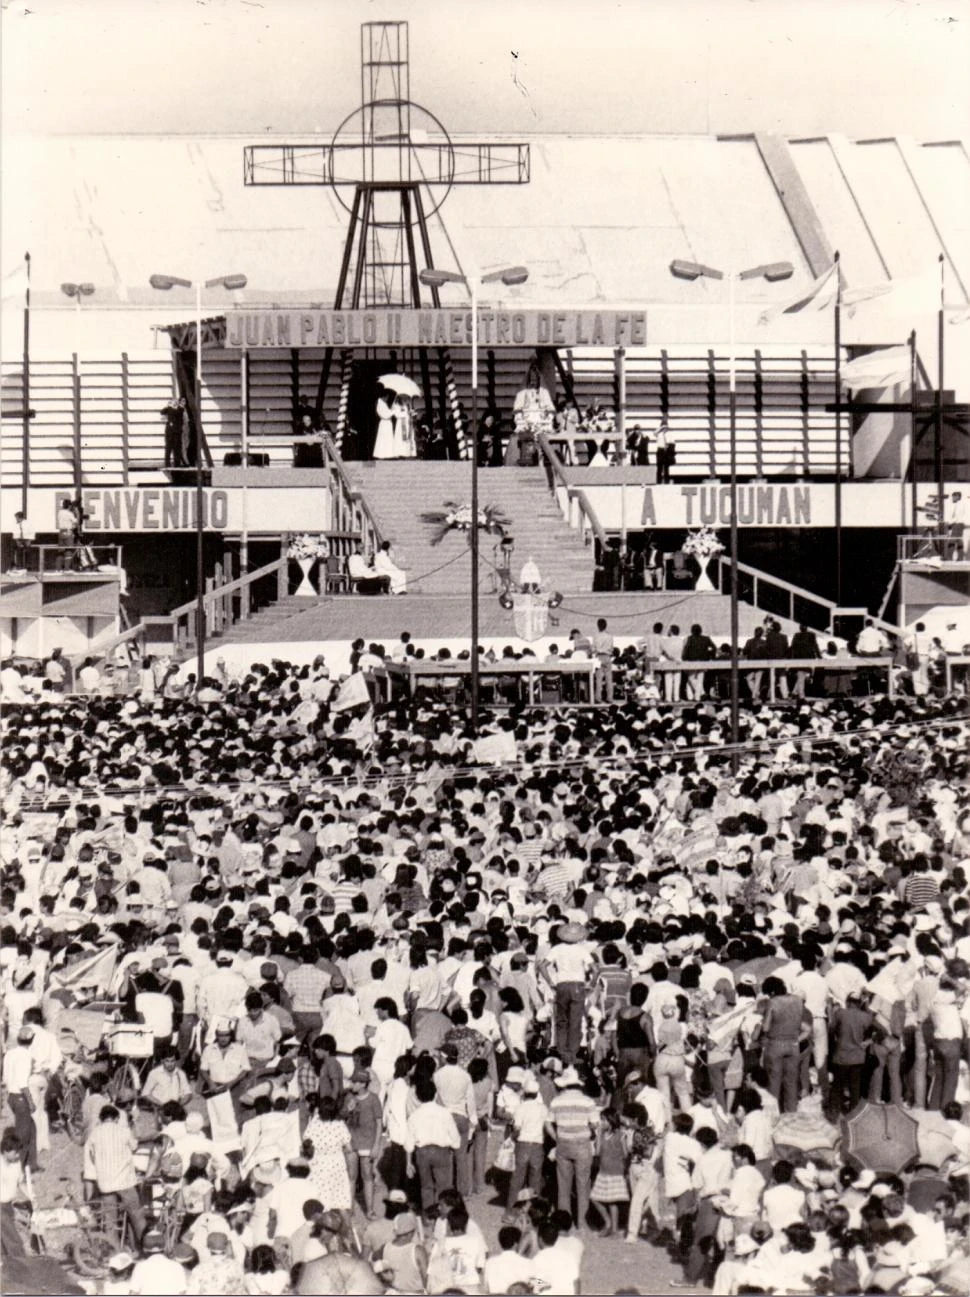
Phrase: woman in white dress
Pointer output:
(328, 1134)
(384, 444)
(384, 565)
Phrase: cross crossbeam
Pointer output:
(479, 163)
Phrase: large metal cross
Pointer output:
(387, 151)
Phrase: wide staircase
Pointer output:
(402, 493)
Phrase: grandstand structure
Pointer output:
(597, 222)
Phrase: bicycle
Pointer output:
(75, 1234)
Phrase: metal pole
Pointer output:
(199, 499)
(938, 421)
(838, 431)
(735, 634)
(25, 435)
(76, 402)
(473, 676)
(913, 419)
(244, 430)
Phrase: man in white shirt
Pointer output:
(556, 1267)
(529, 1117)
(507, 1266)
(567, 966)
(680, 1154)
(813, 989)
(871, 642)
(712, 1176)
(433, 1135)
(18, 1067)
(47, 1056)
(782, 1202)
(455, 1093)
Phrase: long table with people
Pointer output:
(570, 679)
(530, 680)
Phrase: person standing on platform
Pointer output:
(385, 442)
(777, 644)
(23, 537)
(957, 519)
(532, 413)
(804, 644)
(666, 453)
(176, 419)
(673, 646)
(698, 647)
(66, 524)
(755, 650)
(917, 645)
(402, 415)
(602, 647)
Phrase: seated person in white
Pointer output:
(364, 577)
(384, 565)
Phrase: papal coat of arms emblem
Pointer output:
(530, 613)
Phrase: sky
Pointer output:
(485, 67)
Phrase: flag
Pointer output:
(495, 749)
(915, 295)
(352, 693)
(14, 285)
(95, 971)
(961, 315)
(722, 1030)
(881, 368)
(819, 297)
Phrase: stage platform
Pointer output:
(447, 617)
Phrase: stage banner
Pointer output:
(435, 328)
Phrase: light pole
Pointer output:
(163, 283)
(509, 275)
(77, 292)
(773, 272)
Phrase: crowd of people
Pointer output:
(616, 986)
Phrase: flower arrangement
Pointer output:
(702, 543)
(457, 516)
(307, 546)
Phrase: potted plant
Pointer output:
(702, 544)
(306, 549)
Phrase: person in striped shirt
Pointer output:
(109, 1167)
(573, 1121)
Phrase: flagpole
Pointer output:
(25, 413)
(838, 431)
(912, 425)
(938, 446)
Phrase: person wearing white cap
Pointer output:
(118, 1282)
(573, 1122)
(529, 1118)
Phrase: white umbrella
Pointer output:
(400, 383)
